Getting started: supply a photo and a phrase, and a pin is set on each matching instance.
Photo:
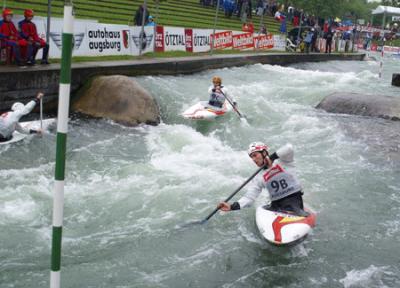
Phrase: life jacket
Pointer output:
(7, 29)
(216, 99)
(28, 29)
(280, 183)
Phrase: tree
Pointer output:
(394, 3)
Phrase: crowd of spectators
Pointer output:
(21, 45)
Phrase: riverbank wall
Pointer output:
(22, 84)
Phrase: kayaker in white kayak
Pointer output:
(9, 121)
(279, 179)
(218, 93)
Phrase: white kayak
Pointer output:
(283, 228)
(205, 111)
(47, 123)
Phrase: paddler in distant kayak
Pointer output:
(279, 178)
(218, 93)
(9, 121)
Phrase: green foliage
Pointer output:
(337, 8)
(394, 3)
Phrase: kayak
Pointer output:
(47, 123)
(282, 228)
(205, 111)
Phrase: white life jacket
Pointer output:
(9, 120)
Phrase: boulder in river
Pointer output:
(396, 79)
(119, 98)
(359, 104)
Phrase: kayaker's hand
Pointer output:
(224, 206)
(39, 95)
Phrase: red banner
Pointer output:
(243, 41)
(159, 40)
(264, 41)
(222, 40)
(189, 40)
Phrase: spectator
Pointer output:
(10, 37)
(28, 32)
(229, 7)
(248, 27)
(263, 29)
(314, 40)
(296, 18)
(308, 41)
(141, 12)
(151, 21)
(282, 29)
(328, 36)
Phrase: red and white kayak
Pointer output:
(204, 111)
(284, 228)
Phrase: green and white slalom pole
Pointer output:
(62, 129)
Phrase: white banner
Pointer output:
(147, 42)
(174, 39)
(279, 43)
(201, 40)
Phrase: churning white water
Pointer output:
(128, 189)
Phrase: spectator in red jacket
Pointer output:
(29, 33)
(10, 37)
(248, 27)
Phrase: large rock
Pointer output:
(396, 79)
(359, 104)
(119, 98)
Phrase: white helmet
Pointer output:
(17, 106)
(256, 147)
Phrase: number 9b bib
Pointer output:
(280, 183)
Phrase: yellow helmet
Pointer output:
(217, 80)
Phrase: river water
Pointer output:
(128, 190)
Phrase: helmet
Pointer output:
(28, 13)
(150, 17)
(217, 79)
(17, 106)
(6, 12)
(256, 147)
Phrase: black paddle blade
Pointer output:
(190, 224)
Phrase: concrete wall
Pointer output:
(18, 84)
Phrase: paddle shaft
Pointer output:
(230, 102)
(234, 193)
(41, 113)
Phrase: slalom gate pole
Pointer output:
(381, 63)
(215, 25)
(62, 129)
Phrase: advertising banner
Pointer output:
(223, 40)
(242, 41)
(147, 40)
(189, 40)
(174, 39)
(159, 41)
(201, 40)
(263, 42)
(279, 42)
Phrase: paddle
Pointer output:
(41, 113)
(233, 106)
(227, 199)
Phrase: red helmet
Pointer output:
(28, 13)
(7, 12)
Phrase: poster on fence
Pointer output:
(223, 40)
(242, 41)
(263, 42)
(201, 40)
(148, 38)
(279, 42)
(174, 39)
